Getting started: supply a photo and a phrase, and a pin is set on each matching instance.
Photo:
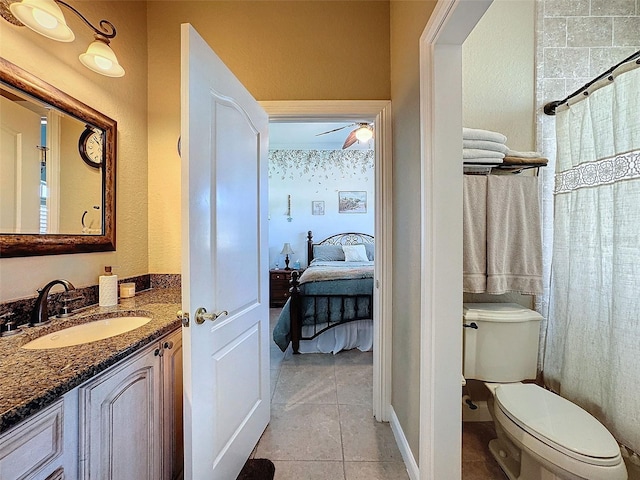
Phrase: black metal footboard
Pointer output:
(323, 311)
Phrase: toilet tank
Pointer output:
(504, 346)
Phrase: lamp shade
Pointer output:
(43, 17)
(286, 249)
(364, 133)
(100, 58)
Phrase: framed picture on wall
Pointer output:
(317, 207)
(352, 202)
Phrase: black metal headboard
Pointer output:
(350, 238)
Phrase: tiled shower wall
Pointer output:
(576, 40)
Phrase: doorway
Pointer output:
(378, 112)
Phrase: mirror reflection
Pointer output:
(51, 178)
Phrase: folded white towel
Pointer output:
(485, 145)
(471, 153)
(515, 153)
(478, 134)
(483, 161)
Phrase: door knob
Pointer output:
(202, 315)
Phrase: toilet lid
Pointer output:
(557, 422)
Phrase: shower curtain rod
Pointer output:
(550, 108)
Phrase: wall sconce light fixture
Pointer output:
(45, 17)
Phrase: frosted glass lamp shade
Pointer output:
(364, 133)
(100, 58)
(43, 17)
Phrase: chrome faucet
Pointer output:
(40, 313)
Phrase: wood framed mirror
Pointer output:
(57, 178)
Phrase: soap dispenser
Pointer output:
(108, 288)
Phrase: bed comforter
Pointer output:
(328, 278)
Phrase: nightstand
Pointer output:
(279, 286)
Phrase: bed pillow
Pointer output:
(328, 253)
(370, 248)
(355, 253)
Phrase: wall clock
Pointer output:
(90, 146)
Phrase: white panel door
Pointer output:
(224, 264)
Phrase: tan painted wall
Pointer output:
(499, 73)
(124, 100)
(280, 50)
(408, 19)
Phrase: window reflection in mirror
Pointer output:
(46, 186)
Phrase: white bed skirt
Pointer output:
(357, 334)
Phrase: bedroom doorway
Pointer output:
(378, 114)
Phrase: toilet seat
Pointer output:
(558, 423)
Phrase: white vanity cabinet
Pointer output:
(129, 416)
(125, 423)
(33, 449)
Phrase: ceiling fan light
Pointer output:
(364, 133)
(101, 59)
(43, 17)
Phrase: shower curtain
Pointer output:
(593, 337)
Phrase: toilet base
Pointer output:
(518, 465)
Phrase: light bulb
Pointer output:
(103, 63)
(45, 19)
(364, 134)
(100, 58)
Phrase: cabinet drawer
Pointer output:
(28, 447)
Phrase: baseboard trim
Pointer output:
(409, 460)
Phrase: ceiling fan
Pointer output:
(363, 133)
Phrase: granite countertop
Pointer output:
(32, 379)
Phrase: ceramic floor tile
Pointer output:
(477, 461)
(319, 359)
(364, 439)
(354, 356)
(295, 470)
(306, 384)
(481, 471)
(354, 384)
(301, 432)
(475, 441)
(375, 471)
(274, 374)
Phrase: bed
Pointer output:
(331, 304)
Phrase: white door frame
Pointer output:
(378, 111)
(441, 245)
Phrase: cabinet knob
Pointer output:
(158, 352)
(168, 345)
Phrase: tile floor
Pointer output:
(477, 461)
(322, 424)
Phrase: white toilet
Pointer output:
(541, 436)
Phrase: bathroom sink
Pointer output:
(87, 332)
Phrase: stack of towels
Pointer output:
(514, 157)
(483, 146)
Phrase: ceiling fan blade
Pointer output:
(351, 139)
(334, 130)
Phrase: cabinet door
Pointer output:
(120, 431)
(172, 419)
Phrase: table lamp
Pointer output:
(286, 251)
